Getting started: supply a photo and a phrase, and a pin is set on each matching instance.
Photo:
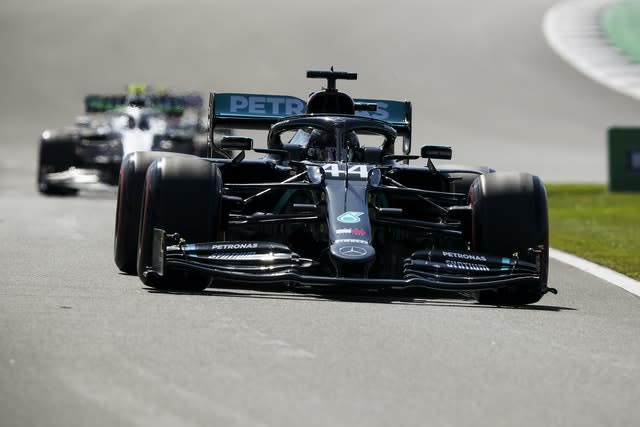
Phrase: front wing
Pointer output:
(274, 263)
(76, 178)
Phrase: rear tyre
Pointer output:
(181, 194)
(56, 155)
(131, 183)
(509, 215)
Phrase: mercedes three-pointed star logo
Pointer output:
(352, 251)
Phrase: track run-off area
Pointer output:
(82, 344)
(599, 38)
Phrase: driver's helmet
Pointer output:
(137, 95)
(352, 145)
(321, 145)
(137, 101)
(352, 141)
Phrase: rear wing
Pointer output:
(259, 112)
(168, 104)
(102, 103)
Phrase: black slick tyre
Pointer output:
(55, 155)
(181, 195)
(509, 216)
(131, 183)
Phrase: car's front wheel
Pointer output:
(509, 216)
(133, 171)
(181, 195)
(55, 155)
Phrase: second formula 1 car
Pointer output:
(88, 154)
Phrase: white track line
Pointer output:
(573, 30)
(613, 277)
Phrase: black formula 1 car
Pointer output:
(331, 204)
(88, 154)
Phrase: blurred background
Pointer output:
(481, 75)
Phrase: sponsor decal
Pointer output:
(231, 246)
(233, 256)
(387, 110)
(381, 112)
(467, 266)
(354, 231)
(251, 256)
(352, 251)
(352, 241)
(350, 217)
(459, 255)
(265, 105)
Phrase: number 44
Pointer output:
(335, 170)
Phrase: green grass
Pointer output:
(589, 221)
(621, 25)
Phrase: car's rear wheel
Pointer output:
(509, 216)
(56, 155)
(181, 195)
(131, 183)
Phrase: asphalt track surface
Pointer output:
(81, 344)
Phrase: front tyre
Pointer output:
(55, 155)
(181, 195)
(133, 171)
(509, 216)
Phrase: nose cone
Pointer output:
(352, 251)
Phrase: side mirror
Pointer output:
(236, 143)
(375, 177)
(435, 152)
(316, 174)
